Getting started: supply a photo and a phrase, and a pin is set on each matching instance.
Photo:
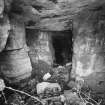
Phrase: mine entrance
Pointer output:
(62, 43)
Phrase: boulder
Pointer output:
(41, 87)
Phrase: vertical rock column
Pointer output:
(89, 51)
(15, 63)
(41, 51)
(44, 48)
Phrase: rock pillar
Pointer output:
(89, 49)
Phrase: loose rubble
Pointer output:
(46, 76)
(52, 90)
(42, 87)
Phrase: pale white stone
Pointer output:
(2, 85)
(61, 67)
(68, 64)
(46, 76)
(1, 6)
(44, 85)
(63, 98)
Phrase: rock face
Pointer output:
(88, 18)
(16, 39)
(41, 51)
(51, 15)
(44, 48)
(4, 28)
(89, 47)
(40, 47)
(15, 65)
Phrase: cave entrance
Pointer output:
(62, 44)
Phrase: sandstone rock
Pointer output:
(1, 7)
(15, 65)
(46, 76)
(88, 48)
(46, 85)
(2, 85)
(4, 29)
(16, 39)
(41, 48)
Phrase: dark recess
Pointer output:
(62, 43)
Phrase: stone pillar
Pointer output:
(41, 51)
(44, 48)
(15, 63)
(89, 51)
(17, 35)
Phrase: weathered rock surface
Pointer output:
(40, 47)
(89, 48)
(88, 20)
(51, 15)
(16, 38)
(15, 65)
(4, 28)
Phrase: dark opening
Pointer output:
(62, 43)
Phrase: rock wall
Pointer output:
(89, 48)
(41, 51)
(88, 17)
(15, 63)
(40, 46)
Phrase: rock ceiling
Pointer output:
(54, 15)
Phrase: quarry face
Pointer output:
(52, 50)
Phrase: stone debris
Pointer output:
(2, 85)
(44, 85)
(46, 76)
